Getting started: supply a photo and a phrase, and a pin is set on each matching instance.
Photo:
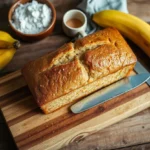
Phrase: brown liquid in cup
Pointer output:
(74, 23)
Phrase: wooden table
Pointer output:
(131, 133)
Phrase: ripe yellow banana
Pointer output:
(130, 26)
(8, 46)
(6, 56)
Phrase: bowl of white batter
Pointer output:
(32, 20)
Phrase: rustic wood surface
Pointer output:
(61, 128)
(128, 133)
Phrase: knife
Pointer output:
(109, 92)
(139, 68)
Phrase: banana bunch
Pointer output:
(130, 26)
(8, 46)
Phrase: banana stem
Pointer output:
(16, 44)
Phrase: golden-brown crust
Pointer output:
(77, 64)
(33, 69)
(76, 95)
(103, 57)
(68, 77)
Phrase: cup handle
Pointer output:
(83, 33)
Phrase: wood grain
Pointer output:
(126, 133)
(60, 128)
(140, 8)
(145, 146)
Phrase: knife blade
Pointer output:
(139, 68)
(109, 92)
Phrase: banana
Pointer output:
(6, 56)
(7, 41)
(130, 26)
(8, 46)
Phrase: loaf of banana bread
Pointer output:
(78, 69)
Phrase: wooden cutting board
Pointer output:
(31, 129)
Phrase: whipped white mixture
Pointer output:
(31, 18)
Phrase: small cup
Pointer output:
(74, 22)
